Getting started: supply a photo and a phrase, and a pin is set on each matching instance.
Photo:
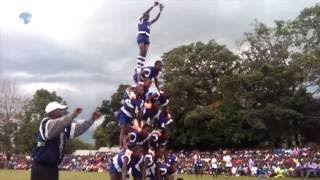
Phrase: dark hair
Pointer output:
(157, 62)
(179, 178)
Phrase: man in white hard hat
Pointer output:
(54, 131)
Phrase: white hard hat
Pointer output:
(53, 106)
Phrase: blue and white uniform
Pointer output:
(116, 164)
(164, 121)
(146, 72)
(159, 98)
(163, 100)
(129, 110)
(136, 138)
(151, 167)
(167, 168)
(157, 140)
(150, 114)
(143, 32)
(135, 165)
(142, 38)
(198, 165)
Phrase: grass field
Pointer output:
(25, 175)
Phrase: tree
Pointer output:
(34, 111)
(260, 98)
(193, 74)
(107, 134)
(271, 102)
(265, 45)
(289, 42)
(10, 111)
(306, 31)
(280, 66)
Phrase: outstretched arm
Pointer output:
(79, 129)
(54, 127)
(158, 15)
(149, 10)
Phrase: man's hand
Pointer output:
(76, 112)
(96, 115)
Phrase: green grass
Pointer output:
(25, 175)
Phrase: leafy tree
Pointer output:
(271, 102)
(10, 112)
(193, 73)
(289, 42)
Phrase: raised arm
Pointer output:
(55, 126)
(78, 129)
(158, 15)
(149, 10)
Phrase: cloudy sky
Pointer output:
(83, 49)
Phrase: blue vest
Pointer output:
(118, 160)
(164, 169)
(144, 27)
(151, 72)
(131, 106)
(162, 121)
(135, 165)
(50, 151)
(198, 163)
(162, 100)
(159, 99)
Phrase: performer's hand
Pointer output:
(156, 3)
(148, 105)
(161, 6)
(128, 152)
(132, 96)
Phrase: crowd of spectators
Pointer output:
(297, 162)
(90, 163)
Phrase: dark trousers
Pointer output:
(44, 172)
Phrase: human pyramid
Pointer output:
(144, 119)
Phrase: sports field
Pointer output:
(25, 175)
